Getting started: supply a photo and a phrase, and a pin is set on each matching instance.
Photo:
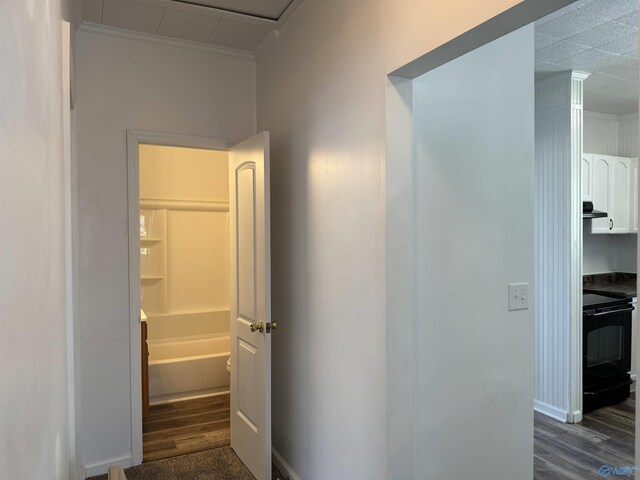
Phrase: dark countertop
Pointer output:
(616, 284)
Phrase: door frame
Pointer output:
(400, 193)
(135, 138)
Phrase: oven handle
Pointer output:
(630, 309)
(618, 385)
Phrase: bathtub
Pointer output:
(186, 368)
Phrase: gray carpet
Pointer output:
(217, 464)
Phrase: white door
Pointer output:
(250, 304)
(602, 167)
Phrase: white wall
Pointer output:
(618, 136)
(321, 93)
(124, 84)
(33, 363)
(473, 386)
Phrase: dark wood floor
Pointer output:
(577, 452)
(174, 429)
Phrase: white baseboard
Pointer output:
(633, 385)
(101, 467)
(283, 466)
(550, 410)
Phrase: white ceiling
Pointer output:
(238, 24)
(599, 37)
(272, 9)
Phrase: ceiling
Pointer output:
(599, 37)
(237, 24)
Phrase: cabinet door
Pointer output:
(602, 168)
(619, 195)
(633, 207)
(587, 177)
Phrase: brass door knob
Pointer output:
(271, 326)
(257, 327)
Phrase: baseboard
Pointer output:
(633, 385)
(575, 417)
(101, 467)
(550, 411)
(283, 466)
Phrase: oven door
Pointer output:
(606, 347)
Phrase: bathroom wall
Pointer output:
(609, 135)
(127, 84)
(184, 254)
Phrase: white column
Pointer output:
(558, 246)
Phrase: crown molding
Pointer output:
(266, 43)
(109, 31)
(293, 6)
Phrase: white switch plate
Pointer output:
(518, 296)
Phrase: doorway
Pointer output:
(185, 299)
(448, 191)
(199, 297)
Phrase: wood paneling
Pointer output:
(609, 135)
(558, 245)
(601, 134)
(173, 429)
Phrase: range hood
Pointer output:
(589, 212)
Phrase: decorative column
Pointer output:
(558, 246)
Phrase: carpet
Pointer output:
(217, 464)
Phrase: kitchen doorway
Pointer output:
(437, 218)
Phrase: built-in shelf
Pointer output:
(150, 278)
(147, 240)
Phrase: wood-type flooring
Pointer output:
(177, 428)
(605, 438)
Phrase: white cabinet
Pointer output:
(620, 195)
(633, 208)
(611, 193)
(587, 177)
(602, 167)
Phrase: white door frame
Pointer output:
(134, 139)
(399, 230)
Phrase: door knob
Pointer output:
(271, 326)
(257, 327)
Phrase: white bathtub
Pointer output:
(188, 368)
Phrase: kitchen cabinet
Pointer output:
(610, 188)
(587, 177)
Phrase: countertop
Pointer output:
(616, 284)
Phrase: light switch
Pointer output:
(518, 296)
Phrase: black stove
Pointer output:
(606, 350)
(592, 301)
